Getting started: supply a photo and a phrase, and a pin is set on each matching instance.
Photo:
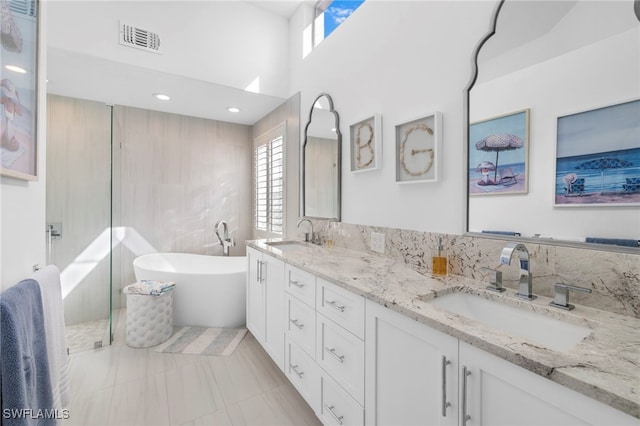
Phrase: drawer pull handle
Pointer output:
(296, 323)
(445, 403)
(332, 352)
(465, 416)
(333, 413)
(334, 305)
(295, 370)
(296, 283)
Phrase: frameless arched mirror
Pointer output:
(554, 140)
(321, 165)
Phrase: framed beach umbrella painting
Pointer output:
(18, 94)
(598, 157)
(498, 155)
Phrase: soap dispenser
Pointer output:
(440, 261)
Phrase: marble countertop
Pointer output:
(605, 365)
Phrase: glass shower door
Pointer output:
(79, 215)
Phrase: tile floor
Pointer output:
(119, 385)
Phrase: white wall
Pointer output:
(226, 42)
(404, 60)
(561, 86)
(22, 204)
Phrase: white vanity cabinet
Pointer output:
(340, 354)
(324, 350)
(418, 375)
(300, 334)
(265, 302)
(357, 362)
(300, 310)
(300, 324)
(498, 392)
(340, 336)
(303, 372)
(411, 371)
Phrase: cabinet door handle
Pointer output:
(259, 270)
(445, 403)
(295, 370)
(296, 323)
(332, 352)
(333, 413)
(465, 417)
(263, 266)
(334, 305)
(296, 283)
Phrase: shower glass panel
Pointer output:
(117, 233)
(79, 215)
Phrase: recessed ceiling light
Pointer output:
(161, 96)
(16, 69)
(233, 109)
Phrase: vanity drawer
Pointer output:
(341, 354)
(342, 306)
(301, 324)
(303, 372)
(337, 407)
(301, 284)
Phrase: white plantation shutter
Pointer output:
(262, 178)
(269, 190)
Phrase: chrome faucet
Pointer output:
(525, 286)
(225, 241)
(309, 237)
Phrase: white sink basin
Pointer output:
(537, 328)
(286, 245)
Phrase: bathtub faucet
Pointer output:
(225, 241)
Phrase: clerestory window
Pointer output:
(329, 14)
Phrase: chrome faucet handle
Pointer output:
(495, 285)
(315, 238)
(561, 295)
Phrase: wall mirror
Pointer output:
(549, 61)
(321, 164)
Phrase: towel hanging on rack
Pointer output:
(52, 308)
(26, 384)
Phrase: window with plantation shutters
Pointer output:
(269, 183)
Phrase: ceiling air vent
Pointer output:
(133, 36)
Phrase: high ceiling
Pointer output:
(281, 8)
(70, 73)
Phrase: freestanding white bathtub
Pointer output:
(210, 291)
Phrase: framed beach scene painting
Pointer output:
(18, 89)
(498, 155)
(598, 157)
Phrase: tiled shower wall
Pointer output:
(78, 198)
(614, 278)
(179, 176)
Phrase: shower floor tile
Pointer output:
(82, 337)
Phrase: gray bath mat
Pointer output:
(203, 341)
